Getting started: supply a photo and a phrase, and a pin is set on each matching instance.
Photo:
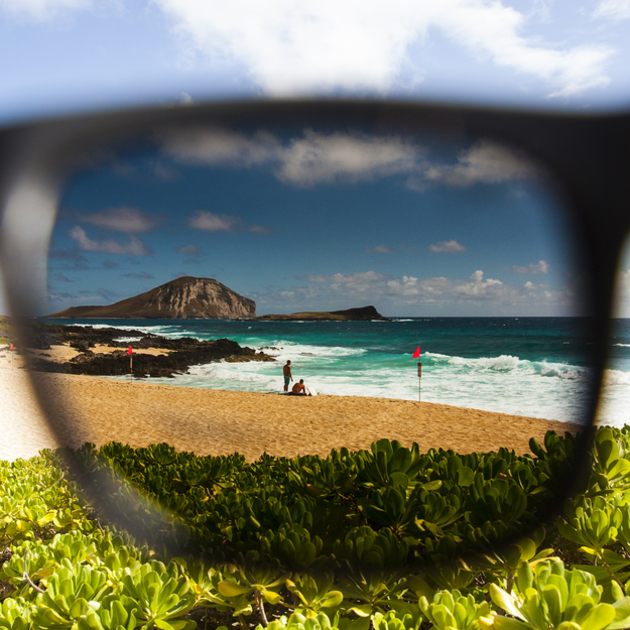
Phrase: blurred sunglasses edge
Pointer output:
(587, 153)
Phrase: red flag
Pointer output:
(11, 348)
(416, 354)
(129, 351)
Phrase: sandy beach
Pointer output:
(217, 422)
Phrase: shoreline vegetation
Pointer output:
(385, 538)
(250, 510)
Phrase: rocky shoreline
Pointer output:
(169, 357)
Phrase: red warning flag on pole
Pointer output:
(416, 354)
(129, 351)
(11, 348)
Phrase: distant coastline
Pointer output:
(365, 313)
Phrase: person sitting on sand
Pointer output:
(299, 389)
(286, 370)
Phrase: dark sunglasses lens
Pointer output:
(203, 279)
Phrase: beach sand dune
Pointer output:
(217, 422)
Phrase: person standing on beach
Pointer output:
(288, 377)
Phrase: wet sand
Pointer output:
(217, 422)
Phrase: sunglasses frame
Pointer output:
(587, 156)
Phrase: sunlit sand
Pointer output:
(218, 422)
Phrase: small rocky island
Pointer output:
(103, 351)
(363, 314)
(183, 298)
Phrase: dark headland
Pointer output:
(363, 314)
(183, 298)
(102, 351)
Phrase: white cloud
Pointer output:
(208, 145)
(541, 267)
(484, 162)
(210, 222)
(379, 249)
(375, 286)
(305, 161)
(123, 219)
(318, 158)
(361, 283)
(42, 9)
(615, 9)
(134, 247)
(447, 247)
(294, 47)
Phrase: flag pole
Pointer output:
(130, 353)
(416, 355)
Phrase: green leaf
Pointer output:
(271, 597)
(499, 622)
(232, 589)
(599, 617)
(420, 587)
(505, 601)
(400, 479)
(331, 599)
(365, 610)
(553, 599)
(465, 476)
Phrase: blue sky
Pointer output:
(66, 56)
(318, 220)
(72, 55)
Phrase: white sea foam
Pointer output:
(503, 383)
(318, 352)
(616, 377)
(127, 339)
(614, 399)
(510, 364)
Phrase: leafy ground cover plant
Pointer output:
(389, 539)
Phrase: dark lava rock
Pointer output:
(183, 354)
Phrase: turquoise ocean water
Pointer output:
(525, 366)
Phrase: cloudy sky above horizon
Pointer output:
(319, 220)
(66, 56)
(72, 55)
